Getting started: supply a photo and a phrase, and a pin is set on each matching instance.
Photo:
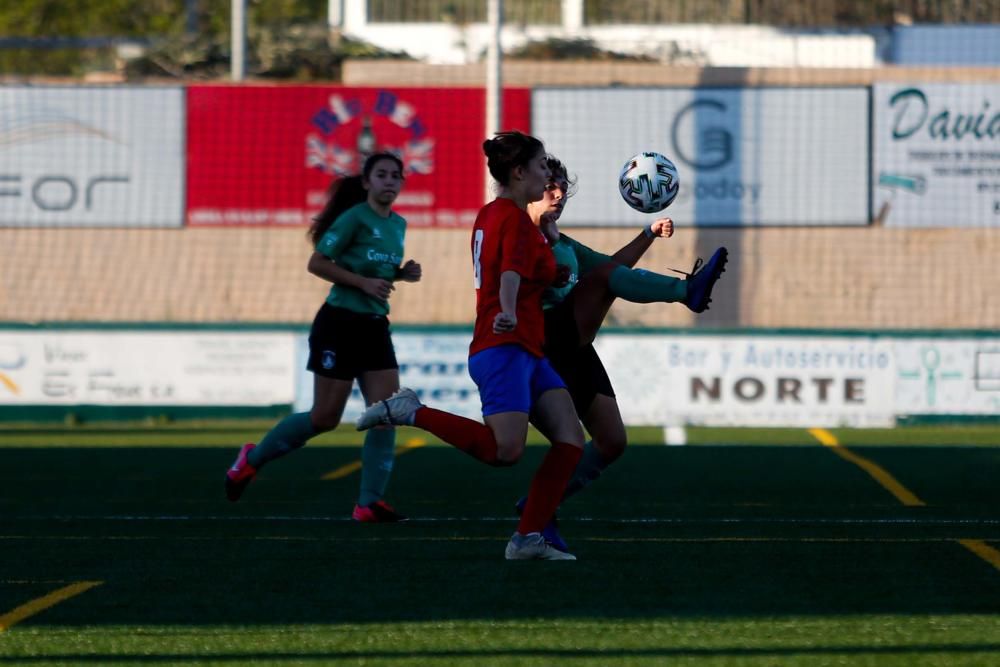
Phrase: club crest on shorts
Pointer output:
(329, 359)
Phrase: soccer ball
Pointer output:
(649, 182)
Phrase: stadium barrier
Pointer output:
(795, 378)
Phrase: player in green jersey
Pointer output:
(574, 314)
(358, 243)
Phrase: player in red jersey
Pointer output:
(575, 312)
(513, 265)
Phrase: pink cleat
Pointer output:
(240, 474)
(378, 512)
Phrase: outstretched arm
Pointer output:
(630, 254)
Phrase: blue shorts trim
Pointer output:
(511, 379)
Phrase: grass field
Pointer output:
(745, 547)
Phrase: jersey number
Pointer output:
(477, 249)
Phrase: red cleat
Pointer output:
(378, 512)
(240, 474)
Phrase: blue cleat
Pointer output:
(551, 530)
(702, 279)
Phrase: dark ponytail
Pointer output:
(345, 193)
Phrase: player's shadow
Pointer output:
(669, 532)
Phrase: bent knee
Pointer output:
(509, 453)
(324, 422)
(611, 448)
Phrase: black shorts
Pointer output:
(579, 366)
(344, 344)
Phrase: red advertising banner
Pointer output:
(265, 155)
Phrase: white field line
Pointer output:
(756, 521)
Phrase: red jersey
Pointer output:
(504, 239)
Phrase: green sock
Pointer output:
(376, 464)
(288, 434)
(641, 286)
(589, 468)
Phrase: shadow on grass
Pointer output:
(555, 654)
(152, 524)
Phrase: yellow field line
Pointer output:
(879, 474)
(343, 471)
(905, 496)
(10, 384)
(41, 604)
(354, 466)
(983, 550)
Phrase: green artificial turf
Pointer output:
(747, 547)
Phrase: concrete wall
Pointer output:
(846, 277)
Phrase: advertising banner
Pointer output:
(175, 368)
(91, 157)
(265, 155)
(936, 154)
(435, 365)
(667, 379)
(947, 377)
(752, 156)
(794, 380)
(751, 380)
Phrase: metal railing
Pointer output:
(463, 11)
(783, 13)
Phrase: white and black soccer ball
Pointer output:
(649, 182)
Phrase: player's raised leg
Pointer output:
(404, 408)
(504, 377)
(702, 279)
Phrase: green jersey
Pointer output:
(365, 243)
(579, 258)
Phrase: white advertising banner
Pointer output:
(751, 380)
(91, 157)
(680, 379)
(176, 368)
(936, 156)
(948, 377)
(662, 378)
(435, 365)
(753, 156)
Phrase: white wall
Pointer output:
(696, 44)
